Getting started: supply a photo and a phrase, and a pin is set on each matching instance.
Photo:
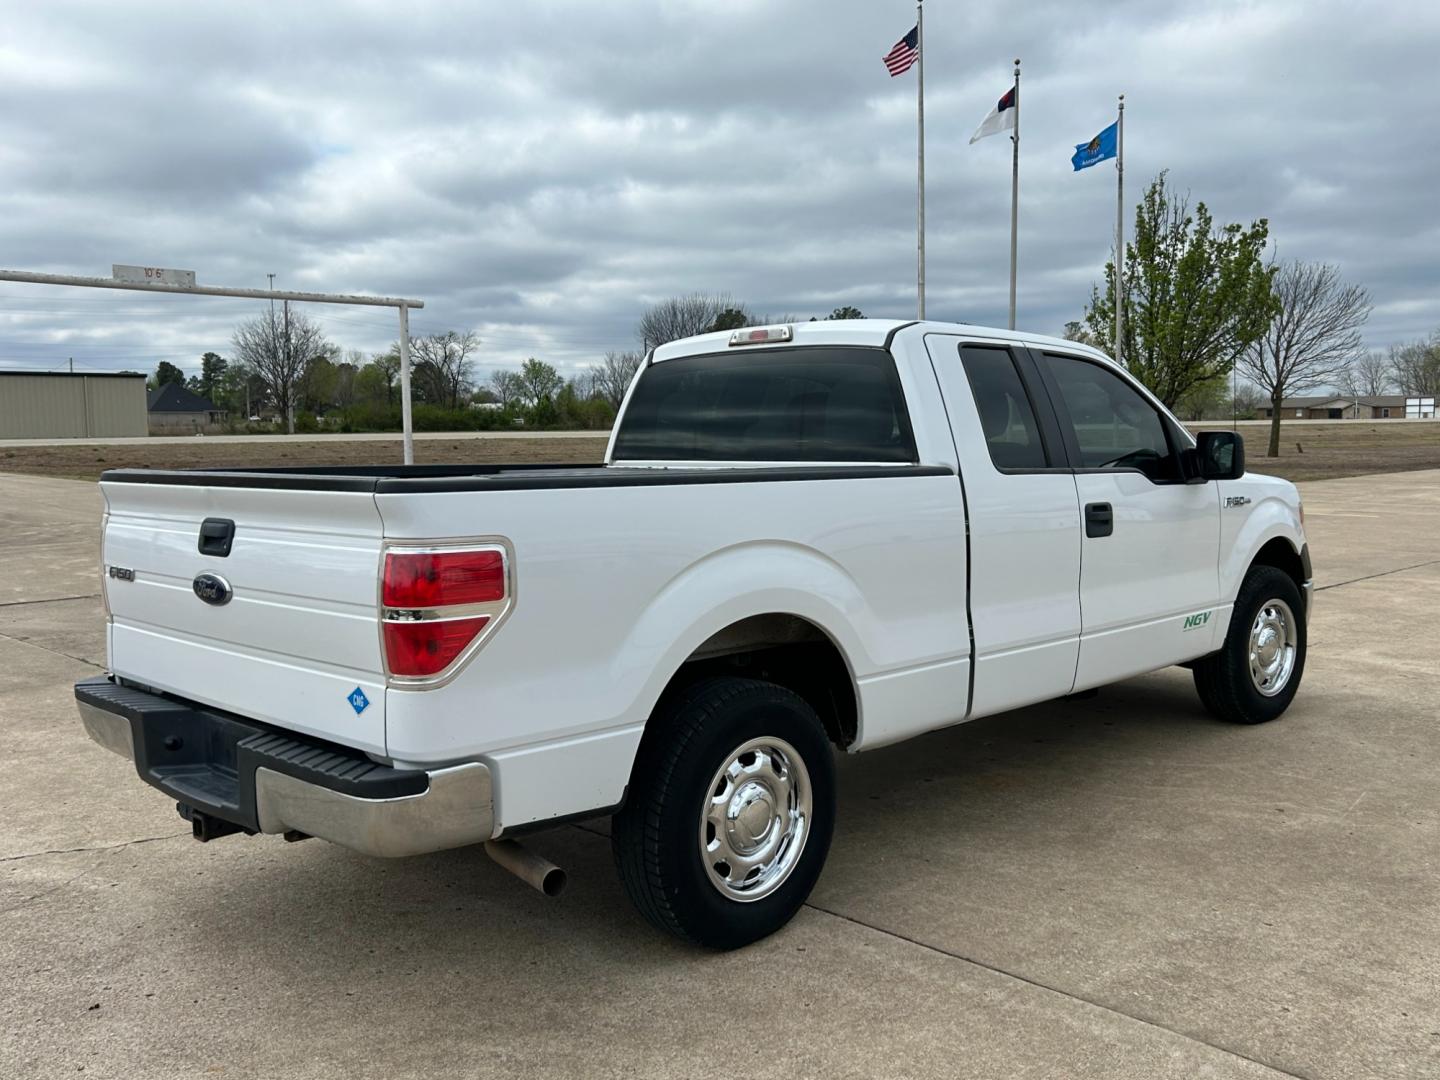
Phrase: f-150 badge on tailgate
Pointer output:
(212, 588)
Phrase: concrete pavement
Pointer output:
(1113, 887)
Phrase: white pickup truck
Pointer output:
(829, 536)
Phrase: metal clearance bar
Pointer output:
(161, 286)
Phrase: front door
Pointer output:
(1149, 578)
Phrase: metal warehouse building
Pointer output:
(60, 405)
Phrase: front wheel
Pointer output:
(729, 814)
(1254, 676)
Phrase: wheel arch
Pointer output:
(1281, 553)
(758, 606)
(789, 650)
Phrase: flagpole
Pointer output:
(1015, 193)
(1120, 235)
(920, 186)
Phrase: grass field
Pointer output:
(1307, 452)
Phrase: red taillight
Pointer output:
(443, 579)
(424, 648)
(435, 604)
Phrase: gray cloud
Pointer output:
(542, 172)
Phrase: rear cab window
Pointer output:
(795, 404)
(1007, 416)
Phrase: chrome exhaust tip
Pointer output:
(530, 868)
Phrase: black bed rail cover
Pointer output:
(417, 479)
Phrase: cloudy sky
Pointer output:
(541, 172)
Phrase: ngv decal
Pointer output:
(1198, 620)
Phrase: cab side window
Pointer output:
(1114, 426)
(1011, 433)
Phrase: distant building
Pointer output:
(1340, 407)
(64, 405)
(177, 411)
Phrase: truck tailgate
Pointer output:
(298, 636)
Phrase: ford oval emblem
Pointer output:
(212, 588)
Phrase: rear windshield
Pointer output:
(815, 403)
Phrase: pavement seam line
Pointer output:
(76, 877)
(101, 847)
(52, 600)
(1382, 573)
(582, 827)
(56, 652)
(1054, 990)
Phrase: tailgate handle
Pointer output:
(216, 536)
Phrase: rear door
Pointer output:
(1149, 579)
(297, 641)
(1024, 523)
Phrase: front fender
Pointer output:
(1271, 514)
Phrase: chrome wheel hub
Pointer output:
(1274, 637)
(756, 819)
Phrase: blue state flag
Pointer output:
(1100, 148)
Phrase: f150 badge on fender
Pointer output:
(212, 588)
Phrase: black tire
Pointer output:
(1223, 678)
(655, 837)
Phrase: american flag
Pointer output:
(902, 57)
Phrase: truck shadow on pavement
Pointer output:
(966, 789)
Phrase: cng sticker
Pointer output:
(1198, 620)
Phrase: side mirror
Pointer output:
(1218, 455)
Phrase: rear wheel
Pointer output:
(1254, 676)
(730, 812)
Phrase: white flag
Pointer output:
(1001, 118)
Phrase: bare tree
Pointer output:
(506, 386)
(684, 316)
(276, 346)
(1416, 366)
(1246, 401)
(442, 364)
(1079, 331)
(1312, 338)
(612, 378)
(1367, 375)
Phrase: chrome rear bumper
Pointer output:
(451, 807)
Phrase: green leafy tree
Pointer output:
(846, 312)
(212, 375)
(732, 318)
(539, 383)
(1205, 401)
(375, 385)
(1197, 295)
(166, 373)
(240, 391)
(318, 383)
